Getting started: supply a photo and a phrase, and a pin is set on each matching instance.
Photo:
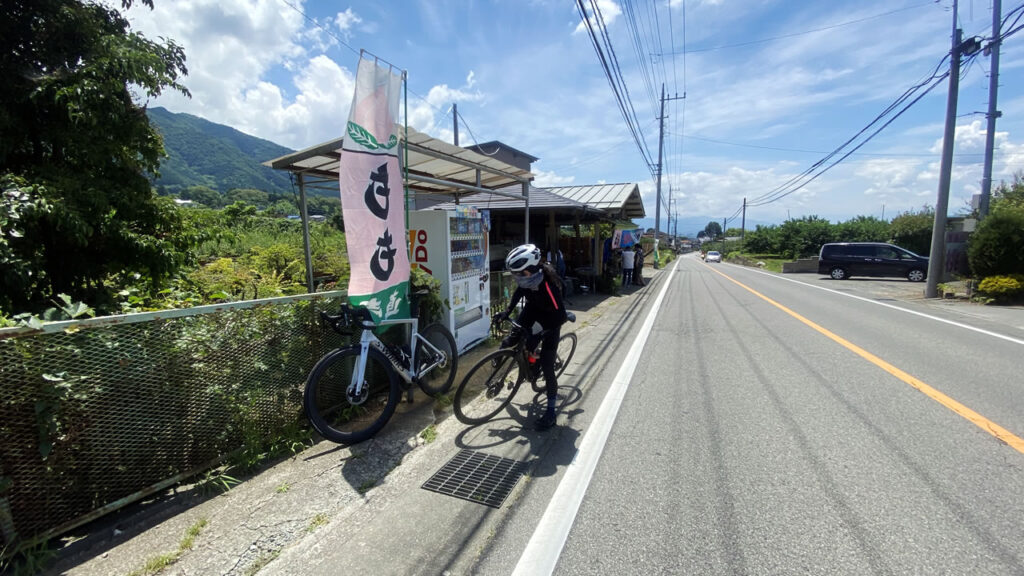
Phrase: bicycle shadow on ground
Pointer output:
(515, 425)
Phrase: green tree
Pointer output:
(862, 229)
(713, 229)
(803, 237)
(913, 230)
(997, 246)
(1008, 195)
(256, 198)
(762, 240)
(204, 195)
(77, 150)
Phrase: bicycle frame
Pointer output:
(404, 369)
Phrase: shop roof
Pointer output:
(540, 199)
(620, 200)
(435, 167)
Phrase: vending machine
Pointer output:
(451, 246)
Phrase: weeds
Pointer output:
(262, 561)
(26, 561)
(429, 434)
(157, 563)
(282, 488)
(444, 400)
(317, 521)
(216, 482)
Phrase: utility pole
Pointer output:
(936, 257)
(743, 221)
(455, 118)
(661, 145)
(993, 87)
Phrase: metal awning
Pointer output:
(434, 167)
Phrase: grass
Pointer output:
(158, 563)
(262, 561)
(429, 434)
(216, 482)
(317, 521)
(31, 560)
(282, 488)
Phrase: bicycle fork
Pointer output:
(358, 390)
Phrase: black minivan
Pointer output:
(844, 259)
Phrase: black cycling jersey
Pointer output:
(544, 305)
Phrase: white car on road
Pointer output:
(713, 256)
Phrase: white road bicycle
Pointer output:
(353, 391)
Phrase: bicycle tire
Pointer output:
(566, 348)
(488, 387)
(328, 407)
(439, 380)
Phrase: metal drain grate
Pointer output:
(477, 477)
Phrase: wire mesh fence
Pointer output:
(99, 413)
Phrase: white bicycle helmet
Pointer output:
(523, 257)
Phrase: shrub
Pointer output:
(1003, 288)
(997, 246)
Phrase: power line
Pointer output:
(613, 73)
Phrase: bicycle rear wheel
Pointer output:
(333, 409)
(439, 379)
(488, 387)
(566, 348)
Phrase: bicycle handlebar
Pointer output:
(341, 322)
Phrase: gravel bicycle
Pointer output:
(353, 391)
(491, 384)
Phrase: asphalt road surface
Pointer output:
(775, 426)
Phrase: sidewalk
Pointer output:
(357, 508)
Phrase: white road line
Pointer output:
(901, 309)
(545, 546)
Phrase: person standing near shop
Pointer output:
(628, 258)
(638, 266)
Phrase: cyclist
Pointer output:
(539, 284)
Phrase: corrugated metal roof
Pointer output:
(622, 200)
(428, 159)
(540, 199)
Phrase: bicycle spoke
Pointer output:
(344, 412)
(487, 388)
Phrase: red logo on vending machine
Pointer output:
(419, 253)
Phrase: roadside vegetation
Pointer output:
(995, 250)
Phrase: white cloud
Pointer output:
(545, 179)
(345, 20)
(610, 11)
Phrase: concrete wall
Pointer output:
(801, 265)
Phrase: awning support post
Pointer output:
(305, 232)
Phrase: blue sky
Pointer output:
(771, 87)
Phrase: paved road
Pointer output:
(773, 427)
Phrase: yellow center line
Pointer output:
(977, 419)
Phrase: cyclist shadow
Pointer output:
(546, 450)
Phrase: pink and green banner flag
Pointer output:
(372, 195)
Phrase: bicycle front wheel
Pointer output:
(488, 387)
(334, 406)
(439, 379)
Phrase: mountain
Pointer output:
(689, 226)
(202, 153)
